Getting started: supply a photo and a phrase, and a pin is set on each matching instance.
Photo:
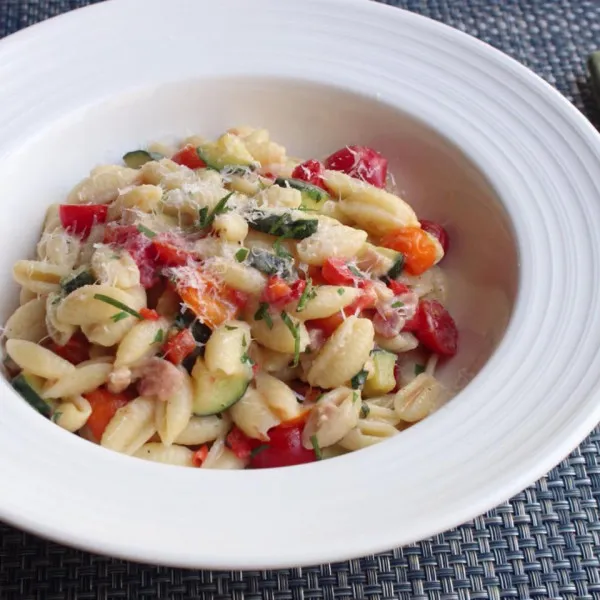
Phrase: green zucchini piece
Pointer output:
(312, 196)
(76, 281)
(215, 392)
(219, 161)
(30, 386)
(270, 264)
(282, 225)
(136, 158)
(358, 381)
(396, 267)
(382, 379)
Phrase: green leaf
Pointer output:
(159, 337)
(230, 328)
(147, 232)
(203, 217)
(419, 369)
(315, 444)
(365, 409)
(341, 291)
(398, 304)
(119, 317)
(355, 396)
(263, 313)
(246, 360)
(279, 249)
(295, 333)
(119, 305)
(241, 254)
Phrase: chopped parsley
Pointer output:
(263, 313)
(294, 330)
(245, 359)
(419, 369)
(230, 328)
(159, 337)
(398, 304)
(206, 219)
(315, 444)
(241, 254)
(308, 294)
(120, 306)
(359, 379)
(355, 396)
(365, 409)
(341, 291)
(147, 232)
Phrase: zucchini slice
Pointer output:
(215, 392)
(312, 196)
(30, 386)
(382, 379)
(270, 264)
(136, 158)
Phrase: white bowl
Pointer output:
(475, 141)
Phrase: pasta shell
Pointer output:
(418, 399)
(27, 322)
(173, 455)
(38, 360)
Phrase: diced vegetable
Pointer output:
(282, 225)
(170, 251)
(360, 162)
(78, 219)
(136, 158)
(200, 456)
(76, 281)
(140, 247)
(358, 381)
(312, 195)
(435, 328)
(284, 448)
(149, 314)
(419, 251)
(311, 171)
(179, 346)
(382, 379)
(271, 264)
(216, 392)
(30, 387)
(104, 406)
(397, 267)
(278, 293)
(189, 157)
(437, 231)
(240, 444)
(76, 350)
(336, 272)
(211, 300)
(398, 288)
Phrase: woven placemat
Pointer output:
(544, 543)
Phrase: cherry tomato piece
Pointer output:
(311, 171)
(104, 406)
(188, 157)
(283, 449)
(76, 350)
(149, 314)
(179, 346)
(278, 292)
(398, 288)
(420, 253)
(240, 444)
(169, 250)
(436, 329)
(78, 219)
(336, 272)
(360, 162)
(438, 232)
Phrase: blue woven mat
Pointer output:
(544, 543)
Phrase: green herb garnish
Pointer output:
(355, 396)
(119, 317)
(341, 291)
(419, 369)
(279, 249)
(359, 379)
(119, 305)
(365, 409)
(241, 254)
(56, 416)
(308, 294)
(159, 337)
(398, 304)
(315, 444)
(258, 450)
(263, 313)
(206, 219)
(230, 328)
(355, 271)
(246, 360)
(294, 330)
(147, 232)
